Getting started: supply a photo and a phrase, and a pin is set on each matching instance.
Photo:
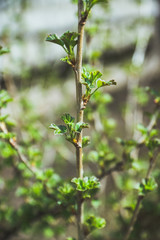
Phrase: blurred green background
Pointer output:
(122, 40)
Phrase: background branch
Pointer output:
(15, 146)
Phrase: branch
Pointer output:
(140, 198)
(80, 112)
(15, 146)
(150, 126)
(119, 166)
(134, 217)
(6, 234)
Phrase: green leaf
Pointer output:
(146, 186)
(48, 232)
(52, 182)
(80, 125)
(87, 183)
(58, 129)
(67, 60)
(4, 98)
(85, 141)
(90, 3)
(142, 129)
(71, 130)
(66, 189)
(95, 75)
(7, 135)
(153, 143)
(102, 83)
(49, 176)
(79, 183)
(10, 122)
(95, 222)
(153, 132)
(138, 165)
(68, 41)
(22, 191)
(89, 78)
(127, 143)
(49, 172)
(68, 119)
(4, 117)
(92, 81)
(4, 50)
(37, 188)
(75, 2)
(54, 39)
(6, 150)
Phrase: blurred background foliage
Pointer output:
(122, 40)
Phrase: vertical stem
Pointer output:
(134, 218)
(79, 87)
(79, 160)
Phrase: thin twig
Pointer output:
(150, 126)
(117, 168)
(119, 165)
(134, 217)
(15, 146)
(140, 198)
(8, 233)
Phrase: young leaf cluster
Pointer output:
(88, 5)
(146, 186)
(67, 41)
(92, 81)
(4, 98)
(70, 130)
(151, 139)
(95, 222)
(3, 50)
(87, 185)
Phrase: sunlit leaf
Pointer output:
(85, 141)
(55, 39)
(67, 118)
(142, 129)
(95, 222)
(58, 129)
(68, 41)
(4, 98)
(80, 125)
(87, 183)
(146, 186)
(4, 50)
